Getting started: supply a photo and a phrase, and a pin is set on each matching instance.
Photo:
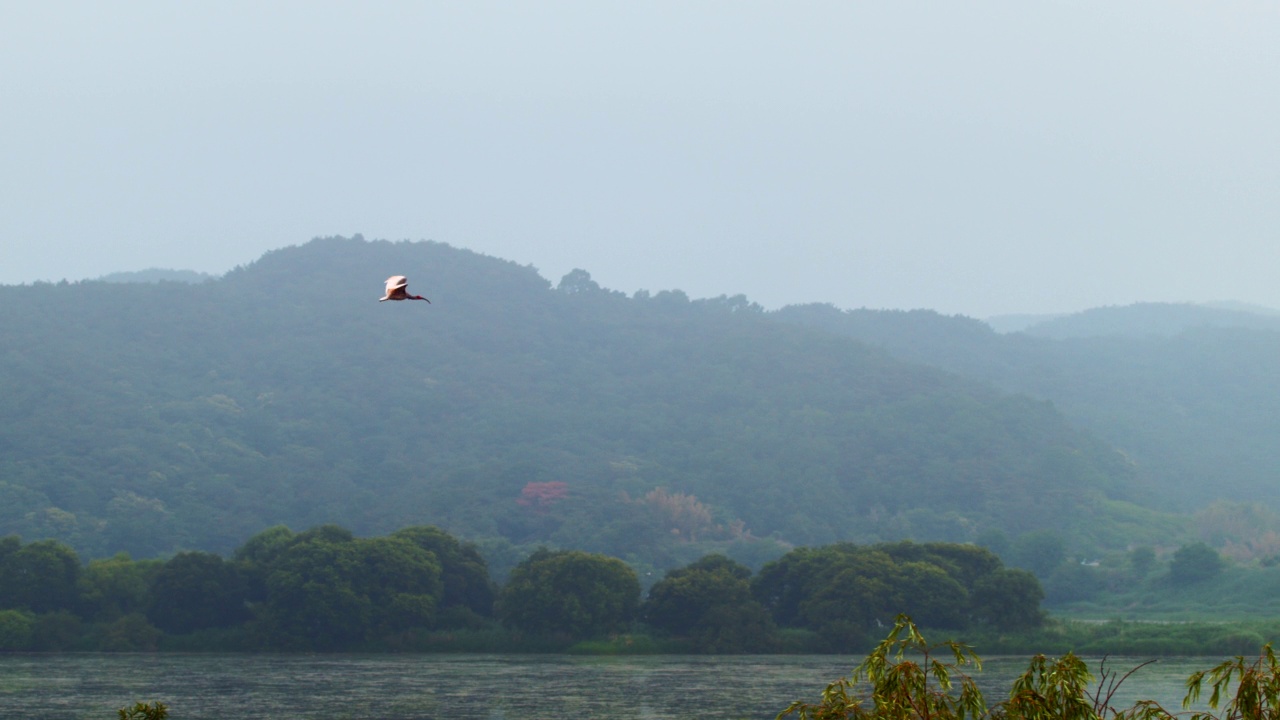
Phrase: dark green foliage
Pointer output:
(709, 602)
(40, 576)
(1195, 563)
(322, 589)
(128, 633)
(258, 554)
(61, 630)
(572, 593)
(782, 585)
(1008, 599)
(827, 591)
(402, 582)
(310, 599)
(965, 563)
(933, 595)
(855, 592)
(195, 590)
(325, 589)
(17, 628)
(116, 586)
(329, 590)
(845, 591)
(463, 571)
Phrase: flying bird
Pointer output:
(398, 289)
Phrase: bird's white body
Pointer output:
(398, 289)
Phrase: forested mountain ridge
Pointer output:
(1189, 393)
(157, 417)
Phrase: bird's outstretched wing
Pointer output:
(396, 288)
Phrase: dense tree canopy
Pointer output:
(40, 576)
(463, 571)
(570, 592)
(845, 591)
(325, 589)
(113, 587)
(709, 602)
(195, 590)
(321, 589)
(330, 590)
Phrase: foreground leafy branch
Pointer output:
(1257, 687)
(906, 678)
(144, 711)
(901, 688)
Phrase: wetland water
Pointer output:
(490, 687)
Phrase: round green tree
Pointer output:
(1195, 563)
(710, 603)
(570, 592)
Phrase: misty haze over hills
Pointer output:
(153, 275)
(149, 420)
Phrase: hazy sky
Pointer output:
(975, 157)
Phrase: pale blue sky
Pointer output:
(978, 158)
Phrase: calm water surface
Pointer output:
(491, 687)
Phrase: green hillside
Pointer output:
(163, 416)
(1187, 393)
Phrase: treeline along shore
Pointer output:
(422, 589)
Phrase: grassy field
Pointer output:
(1237, 594)
(1137, 638)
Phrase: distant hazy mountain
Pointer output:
(509, 411)
(1018, 323)
(155, 275)
(1243, 307)
(1190, 394)
(1153, 319)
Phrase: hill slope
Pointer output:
(1152, 319)
(1187, 393)
(154, 417)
